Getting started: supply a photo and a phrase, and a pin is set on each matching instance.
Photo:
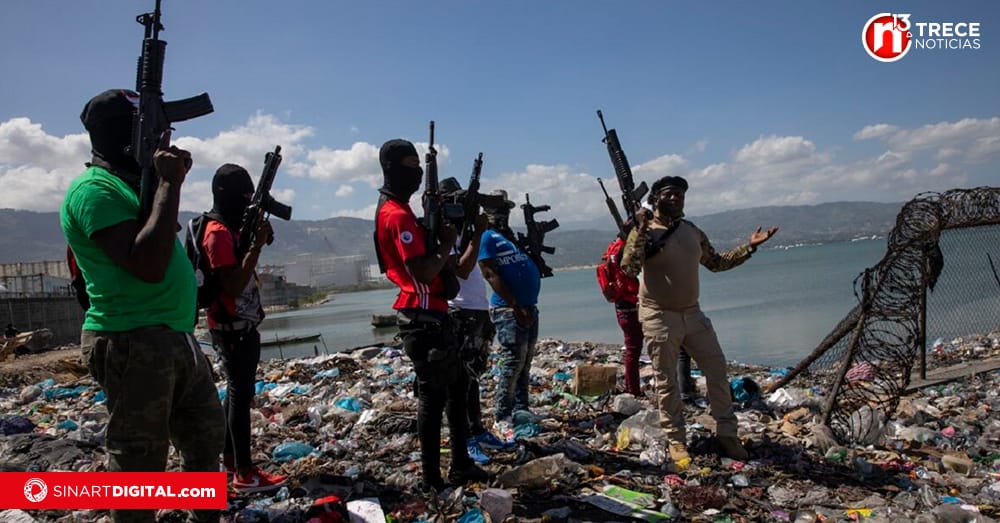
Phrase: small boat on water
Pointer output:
(289, 340)
(381, 321)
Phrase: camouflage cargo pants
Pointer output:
(159, 391)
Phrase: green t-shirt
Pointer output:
(119, 301)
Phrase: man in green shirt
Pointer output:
(137, 334)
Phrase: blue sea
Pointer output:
(773, 310)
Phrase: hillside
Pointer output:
(32, 236)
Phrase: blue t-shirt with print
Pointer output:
(518, 272)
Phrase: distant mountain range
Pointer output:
(33, 236)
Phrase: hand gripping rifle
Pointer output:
(155, 116)
(631, 195)
(262, 204)
(534, 241)
(614, 211)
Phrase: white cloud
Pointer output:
(247, 144)
(366, 213)
(36, 168)
(875, 131)
(984, 147)
(944, 136)
(775, 149)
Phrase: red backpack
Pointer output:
(615, 284)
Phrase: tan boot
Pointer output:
(732, 448)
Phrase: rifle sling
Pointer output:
(658, 238)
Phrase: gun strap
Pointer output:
(658, 238)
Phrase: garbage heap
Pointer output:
(343, 427)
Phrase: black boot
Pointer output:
(470, 473)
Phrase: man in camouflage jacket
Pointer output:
(665, 253)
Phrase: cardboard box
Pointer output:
(594, 380)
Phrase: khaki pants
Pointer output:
(666, 332)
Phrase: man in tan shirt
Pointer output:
(667, 252)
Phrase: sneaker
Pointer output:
(257, 481)
(488, 440)
(472, 473)
(475, 452)
(732, 448)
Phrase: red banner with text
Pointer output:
(113, 490)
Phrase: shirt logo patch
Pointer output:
(406, 237)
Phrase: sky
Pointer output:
(755, 103)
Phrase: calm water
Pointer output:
(774, 309)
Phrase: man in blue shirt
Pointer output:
(515, 281)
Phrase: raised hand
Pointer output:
(759, 237)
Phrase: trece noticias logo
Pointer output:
(888, 37)
(35, 490)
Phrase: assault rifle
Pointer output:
(534, 241)
(262, 204)
(155, 116)
(471, 203)
(614, 211)
(435, 214)
(631, 195)
(432, 196)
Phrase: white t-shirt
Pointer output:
(472, 291)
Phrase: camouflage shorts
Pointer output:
(475, 332)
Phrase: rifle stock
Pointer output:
(613, 209)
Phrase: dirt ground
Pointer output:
(63, 364)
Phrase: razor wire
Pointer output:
(863, 366)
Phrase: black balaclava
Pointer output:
(108, 119)
(232, 190)
(399, 180)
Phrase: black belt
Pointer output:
(238, 325)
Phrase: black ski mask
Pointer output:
(232, 190)
(399, 180)
(108, 119)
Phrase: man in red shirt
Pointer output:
(422, 314)
(234, 315)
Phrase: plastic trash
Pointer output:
(472, 516)
(55, 393)
(351, 404)
(626, 404)
(290, 451)
(539, 472)
(329, 373)
(15, 425)
(744, 390)
(640, 428)
(498, 503)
